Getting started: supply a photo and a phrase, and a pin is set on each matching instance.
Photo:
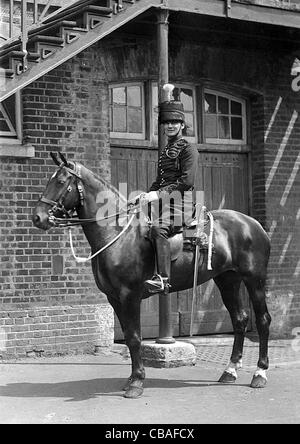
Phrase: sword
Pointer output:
(200, 225)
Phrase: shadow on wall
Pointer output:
(283, 212)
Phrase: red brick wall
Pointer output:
(66, 110)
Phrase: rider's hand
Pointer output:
(146, 198)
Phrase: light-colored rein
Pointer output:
(91, 256)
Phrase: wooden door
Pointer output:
(224, 179)
(137, 168)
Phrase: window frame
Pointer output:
(231, 97)
(126, 135)
(14, 146)
(17, 137)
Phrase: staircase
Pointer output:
(61, 36)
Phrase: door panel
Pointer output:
(224, 179)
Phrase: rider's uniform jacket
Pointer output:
(177, 167)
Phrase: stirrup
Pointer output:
(157, 284)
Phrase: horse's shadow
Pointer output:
(83, 390)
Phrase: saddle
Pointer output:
(194, 233)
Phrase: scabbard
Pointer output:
(200, 226)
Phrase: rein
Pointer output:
(75, 222)
(91, 256)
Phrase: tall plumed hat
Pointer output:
(170, 109)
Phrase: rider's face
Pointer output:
(173, 128)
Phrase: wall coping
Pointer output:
(16, 150)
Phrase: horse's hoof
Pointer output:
(134, 391)
(227, 378)
(258, 382)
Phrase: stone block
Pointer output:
(178, 354)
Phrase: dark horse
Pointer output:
(241, 253)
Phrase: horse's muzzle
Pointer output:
(40, 219)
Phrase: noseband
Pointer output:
(59, 205)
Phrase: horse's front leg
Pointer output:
(132, 332)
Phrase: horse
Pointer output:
(123, 258)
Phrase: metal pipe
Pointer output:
(35, 12)
(11, 14)
(165, 309)
(24, 32)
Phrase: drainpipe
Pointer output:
(165, 309)
(24, 32)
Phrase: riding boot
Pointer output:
(160, 281)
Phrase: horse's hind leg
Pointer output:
(229, 286)
(256, 289)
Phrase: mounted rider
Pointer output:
(176, 175)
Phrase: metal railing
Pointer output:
(18, 15)
(282, 4)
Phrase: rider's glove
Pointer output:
(146, 198)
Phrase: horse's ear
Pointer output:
(64, 160)
(55, 159)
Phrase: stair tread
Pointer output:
(7, 72)
(47, 39)
(99, 9)
(16, 53)
(66, 28)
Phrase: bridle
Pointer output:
(67, 220)
(59, 204)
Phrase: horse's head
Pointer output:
(62, 196)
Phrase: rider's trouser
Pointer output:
(163, 255)
(166, 220)
(160, 281)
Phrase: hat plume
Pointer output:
(168, 88)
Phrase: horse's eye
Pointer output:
(62, 181)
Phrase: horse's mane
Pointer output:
(107, 185)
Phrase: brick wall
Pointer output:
(55, 330)
(282, 190)
(66, 110)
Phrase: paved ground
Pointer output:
(87, 389)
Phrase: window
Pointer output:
(127, 111)
(186, 95)
(224, 118)
(11, 129)
(10, 119)
(134, 114)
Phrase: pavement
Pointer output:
(87, 389)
